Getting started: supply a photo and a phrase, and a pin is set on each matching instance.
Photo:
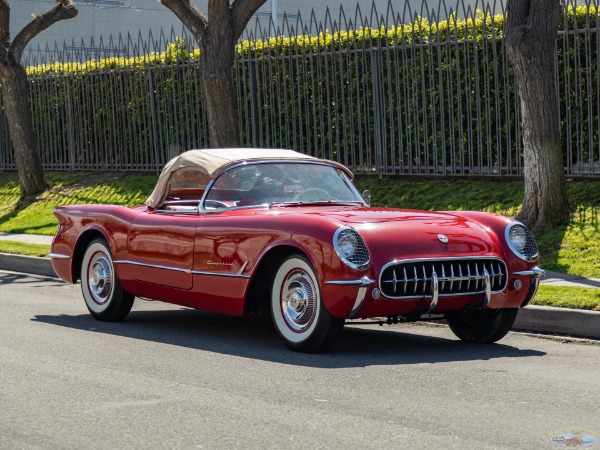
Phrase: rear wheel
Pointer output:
(299, 315)
(483, 326)
(104, 296)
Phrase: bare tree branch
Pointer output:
(190, 15)
(64, 9)
(242, 13)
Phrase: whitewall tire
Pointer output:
(298, 311)
(104, 296)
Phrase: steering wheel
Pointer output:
(325, 193)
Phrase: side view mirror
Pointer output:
(366, 195)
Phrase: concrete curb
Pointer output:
(26, 264)
(571, 322)
(540, 319)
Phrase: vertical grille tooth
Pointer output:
(453, 276)
(444, 279)
(416, 279)
(468, 275)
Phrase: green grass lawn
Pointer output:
(568, 297)
(22, 248)
(68, 188)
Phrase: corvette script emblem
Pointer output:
(443, 238)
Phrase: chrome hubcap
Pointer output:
(100, 278)
(298, 300)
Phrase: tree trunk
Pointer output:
(217, 38)
(15, 98)
(531, 32)
(216, 62)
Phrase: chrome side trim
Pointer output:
(58, 256)
(185, 213)
(241, 271)
(177, 269)
(154, 266)
(219, 274)
(364, 281)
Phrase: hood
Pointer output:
(407, 234)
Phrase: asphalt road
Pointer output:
(170, 377)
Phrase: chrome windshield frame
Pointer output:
(347, 181)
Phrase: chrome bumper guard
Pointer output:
(58, 256)
(536, 275)
(487, 290)
(362, 284)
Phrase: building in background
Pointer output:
(88, 33)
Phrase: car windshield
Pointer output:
(280, 184)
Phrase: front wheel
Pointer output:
(482, 326)
(104, 296)
(299, 315)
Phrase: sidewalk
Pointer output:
(540, 319)
(26, 238)
(563, 279)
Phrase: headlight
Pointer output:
(351, 248)
(521, 242)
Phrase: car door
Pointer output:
(161, 248)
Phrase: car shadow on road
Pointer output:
(30, 281)
(254, 337)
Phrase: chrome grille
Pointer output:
(416, 278)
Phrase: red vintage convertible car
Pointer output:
(236, 230)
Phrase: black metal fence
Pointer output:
(400, 96)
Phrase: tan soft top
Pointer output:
(214, 162)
